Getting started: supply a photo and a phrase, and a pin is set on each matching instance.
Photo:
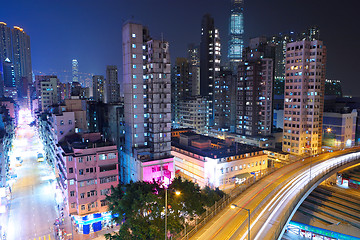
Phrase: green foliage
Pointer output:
(141, 207)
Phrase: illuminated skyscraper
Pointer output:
(99, 88)
(75, 70)
(21, 56)
(255, 89)
(8, 73)
(210, 56)
(236, 27)
(5, 42)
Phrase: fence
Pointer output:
(201, 220)
(306, 190)
(189, 231)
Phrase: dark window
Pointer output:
(107, 168)
(71, 170)
(81, 171)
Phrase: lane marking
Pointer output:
(317, 160)
(212, 237)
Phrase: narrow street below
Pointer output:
(33, 207)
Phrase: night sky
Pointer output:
(90, 30)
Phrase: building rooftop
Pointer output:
(218, 148)
(83, 141)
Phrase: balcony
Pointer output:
(108, 173)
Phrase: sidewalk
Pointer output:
(71, 233)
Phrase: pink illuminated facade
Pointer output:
(86, 169)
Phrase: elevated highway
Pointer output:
(274, 199)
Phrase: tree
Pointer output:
(140, 207)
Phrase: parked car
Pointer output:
(40, 157)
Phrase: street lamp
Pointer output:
(248, 210)
(177, 193)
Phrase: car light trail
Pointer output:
(291, 189)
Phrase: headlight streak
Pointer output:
(292, 188)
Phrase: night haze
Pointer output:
(90, 31)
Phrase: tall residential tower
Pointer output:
(304, 96)
(112, 85)
(210, 55)
(147, 106)
(255, 89)
(5, 42)
(21, 57)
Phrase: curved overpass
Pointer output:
(274, 199)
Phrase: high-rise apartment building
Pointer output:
(5, 42)
(15, 49)
(8, 73)
(194, 113)
(310, 34)
(280, 42)
(304, 96)
(210, 55)
(182, 86)
(47, 91)
(333, 88)
(21, 56)
(1, 80)
(112, 85)
(255, 89)
(194, 60)
(225, 101)
(99, 88)
(75, 70)
(236, 26)
(147, 110)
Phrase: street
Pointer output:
(33, 207)
(269, 197)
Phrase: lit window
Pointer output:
(133, 35)
(134, 86)
(135, 116)
(134, 66)
(134, 76)
(71, 182)
(135, 135)
(135, 96)
(133, 45)
(135, 106)
(135, 125)
(134, 56)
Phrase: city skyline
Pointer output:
(150, 119)
(96, 49)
